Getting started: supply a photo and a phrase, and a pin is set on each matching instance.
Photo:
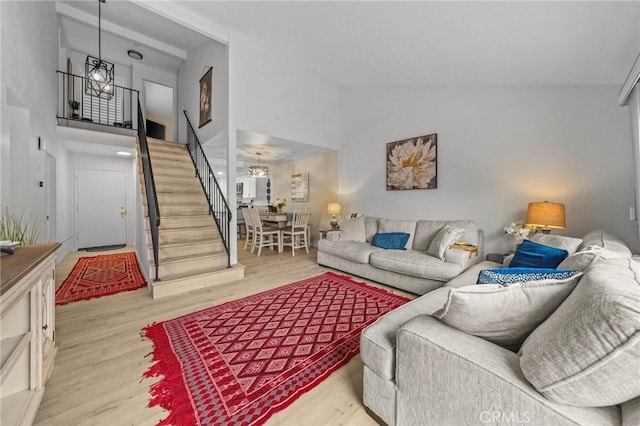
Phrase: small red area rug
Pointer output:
(240, 362)
(98, 276)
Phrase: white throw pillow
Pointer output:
(353, 230)
(579, 261)
(569, 244)
(504, 315)
(443, 239)
(587, 353)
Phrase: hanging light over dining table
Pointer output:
(258, 170)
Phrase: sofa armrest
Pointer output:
(445, 376)
(333, 235)
(462, 257)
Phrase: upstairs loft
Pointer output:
(80, 105)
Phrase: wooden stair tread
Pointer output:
(176, 259)
(182, 216)
(189, 228)
(188, 242)
(206, 271)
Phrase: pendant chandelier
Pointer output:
(258, 170)
(99, 73)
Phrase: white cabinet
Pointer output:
(27, 330)
(248, 186)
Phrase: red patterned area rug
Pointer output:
(98, 276)
(242, 361)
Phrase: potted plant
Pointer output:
(14, 228)
(280, 203)
(75, 105)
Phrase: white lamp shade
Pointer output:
(334, 208)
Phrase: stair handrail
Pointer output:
(218, 206)
(150, 188)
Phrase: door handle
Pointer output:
(123, 212)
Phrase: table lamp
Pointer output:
(334, 209)
(546, 216)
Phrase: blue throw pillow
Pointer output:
(390, 240)
(534, 255)
(508, 276)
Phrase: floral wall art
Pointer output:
(412, 163)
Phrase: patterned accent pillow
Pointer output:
(390, 240)
(508, 276)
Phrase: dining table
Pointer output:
(279, 219)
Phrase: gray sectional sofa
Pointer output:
(413, 269)
(579, 366)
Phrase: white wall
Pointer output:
(199, 59)
(275, 97)
(498, 149)
(140, 73)
(65, 231)
(28, 88)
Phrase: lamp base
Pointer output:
(334, 224)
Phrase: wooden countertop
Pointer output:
(14, 267)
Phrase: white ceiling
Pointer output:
(444, 43)
(273, 150)
(383, 43)
(163, 43)
(414, 42)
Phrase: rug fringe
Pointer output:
(170, 392)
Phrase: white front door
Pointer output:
(101, 207)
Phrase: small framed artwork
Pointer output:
(412, 163)
(300, 187)
(206, 90)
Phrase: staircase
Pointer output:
(191, 254)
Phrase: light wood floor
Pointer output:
(97, 379)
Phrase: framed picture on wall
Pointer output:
(412, 163)
(206, 91)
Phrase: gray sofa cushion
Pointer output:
(378, 341)
(587, 353)
(370, 227)
(392, 225)
(354, 251)
(601, 238)
(426, 231)
(353, 230)
(415, 263)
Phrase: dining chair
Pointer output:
(264, 236)
(297, 236)
(249, 228)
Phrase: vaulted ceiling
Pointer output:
(389, 42)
